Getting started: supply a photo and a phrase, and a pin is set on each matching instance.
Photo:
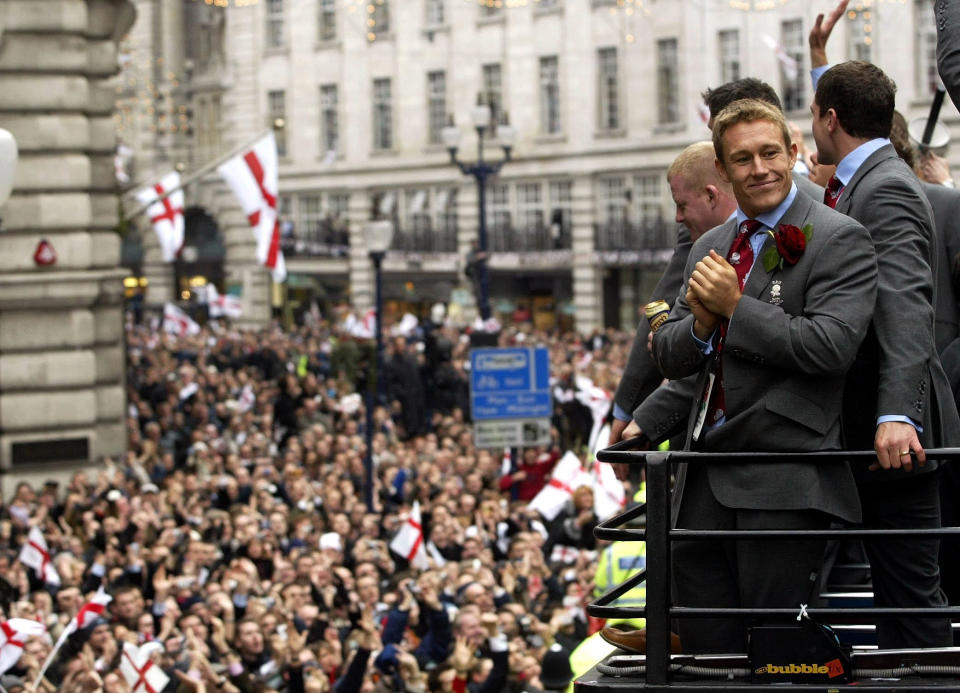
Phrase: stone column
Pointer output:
(62, 401)
(587, 275)
(360, 264)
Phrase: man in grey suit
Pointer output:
(640, 376)
(897, 399)
(771, 319)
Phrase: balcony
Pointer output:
(326, 239)
(650, 242)
(536, 239)
(425, 240)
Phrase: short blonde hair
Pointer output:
(695, 165)
(746, 111)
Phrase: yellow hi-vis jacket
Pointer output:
(619, 561)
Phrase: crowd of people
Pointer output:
(234, 534)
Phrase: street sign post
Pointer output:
(510, 398)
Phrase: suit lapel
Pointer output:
(849, 193)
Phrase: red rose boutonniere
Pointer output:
(789, 244)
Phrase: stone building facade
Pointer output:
(62, 401)
(602, 95)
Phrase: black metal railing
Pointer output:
(326, 240)
(425, 240)
(532, 239)
(658, 537)
(650, 235)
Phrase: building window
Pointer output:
(382, 115)
(668, 82)
(436, 104)
(329, 120)
(493, 92)
(277, 113)
(926, 48)
(608, 102)
(417, 210)
(791, 65)
(327, 29)
(275, 24)
(435, 12)
(613, 202)
(498, 207)
(380, 17)
(729, 41)
(529, 208)
(860, 34)
(649, 199)
(310, 219)
(445, 212)
(549, 95)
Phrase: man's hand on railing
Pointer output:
(894, 442)
(632, 430)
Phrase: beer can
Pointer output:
(657, 313)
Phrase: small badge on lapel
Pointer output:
(775, 298)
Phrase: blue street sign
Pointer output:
(511, 383)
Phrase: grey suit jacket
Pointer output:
(897, 370)
(641, 376)
(948, 46)
(793, 335)
(945, 203)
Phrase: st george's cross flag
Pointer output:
(35, 554)
(139, 670)
(568, 475)
(166, 215)
(86, 616)
(177, 322)
(222, 304)
(409, 540)
(13, 634)
(253, 177)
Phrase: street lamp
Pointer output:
(377, 235)
(481, 171)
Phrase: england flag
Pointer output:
(253, 177)
(165, 214)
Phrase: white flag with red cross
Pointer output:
(567, 477)
(409, 540)
(222, 304)
(165, 214)
(86, 615)
(138, 668)
(13, 634)
(253, 176)
(35, 554)
(177, 322)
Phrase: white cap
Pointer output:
(331, 540)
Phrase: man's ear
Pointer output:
(833, 121)
(793, 151)
(713, 194)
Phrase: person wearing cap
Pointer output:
(555, 671)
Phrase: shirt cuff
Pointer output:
(817, 72)
(901, 419)
(619, 414)
(705, 347)
(499, 643)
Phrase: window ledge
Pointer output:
(609, 134)
(552, 138)
(547, 11)
(276, 50)
(330, 44)
(429, 31)
(384, 152)
(486, 21)
(667, 128)
(434, 148)
(386, 36)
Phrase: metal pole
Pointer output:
(658, 569)
(374, 394)
(484, 278)
(189, 178)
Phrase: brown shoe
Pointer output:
(635, 640)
